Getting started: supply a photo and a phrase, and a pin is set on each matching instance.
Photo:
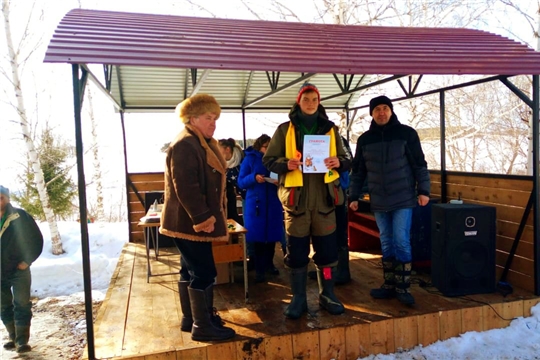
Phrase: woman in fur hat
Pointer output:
(194, 213)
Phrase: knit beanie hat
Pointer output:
(307, 87)
(4, 191)
(378, 101)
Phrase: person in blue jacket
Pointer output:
(263, 216)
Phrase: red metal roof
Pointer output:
(115, 38)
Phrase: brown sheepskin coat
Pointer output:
(195, 180)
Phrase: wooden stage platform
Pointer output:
(141, 321)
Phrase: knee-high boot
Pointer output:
(298, 304)
(187, 320)
(403, 282)
(388, 288)
(327, 298)
(10, 327)
(204, 329)
(21, 339)
(343, 273)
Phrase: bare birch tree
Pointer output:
(97, 177)
(529, 13)
(15, 80)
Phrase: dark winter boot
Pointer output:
(343, 273)
(216, 319)
(327, 298)
(270, 267)
(204, 328)
(21, 339)
(403, 283)
(10, 327)
(298, 304)
(187, 320)
(388, 289)
(260, 268)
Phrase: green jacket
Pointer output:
(20, 240)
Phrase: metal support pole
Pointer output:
(244, 127)
(536, 182)
(443, 146)
(85, 247)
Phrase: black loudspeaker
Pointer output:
(149, 198)
(421, 236)
(463, 249)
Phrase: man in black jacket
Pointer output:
(21, 244)
(390, 156)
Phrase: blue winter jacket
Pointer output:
(263, 213)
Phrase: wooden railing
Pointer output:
(509, 195)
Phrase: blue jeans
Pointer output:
(16, 305)
(395, 230)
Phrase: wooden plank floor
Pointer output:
(141, 321)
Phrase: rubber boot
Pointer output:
(10, 327)
(204, 328)
(298, 304)
(388, 288)
(403, 283)
(327, 298)
(21, 339)
(343, 273)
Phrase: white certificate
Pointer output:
(316, 149)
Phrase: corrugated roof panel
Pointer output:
(155, 55)
(88, 36)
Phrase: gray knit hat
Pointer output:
(4, 190)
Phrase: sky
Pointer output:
(54, 276)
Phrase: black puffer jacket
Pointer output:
(392, 159)
(20, 240)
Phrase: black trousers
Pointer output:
(342, 230)
(325, 248)
(197, 263)
(264, 256)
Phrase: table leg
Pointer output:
(242, 237)
(147, 233)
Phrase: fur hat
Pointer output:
(379, 100)
(197, 105)
(4, 190)
(307, 87)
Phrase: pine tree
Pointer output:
(61, 189)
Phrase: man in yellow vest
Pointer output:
(309, 199)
